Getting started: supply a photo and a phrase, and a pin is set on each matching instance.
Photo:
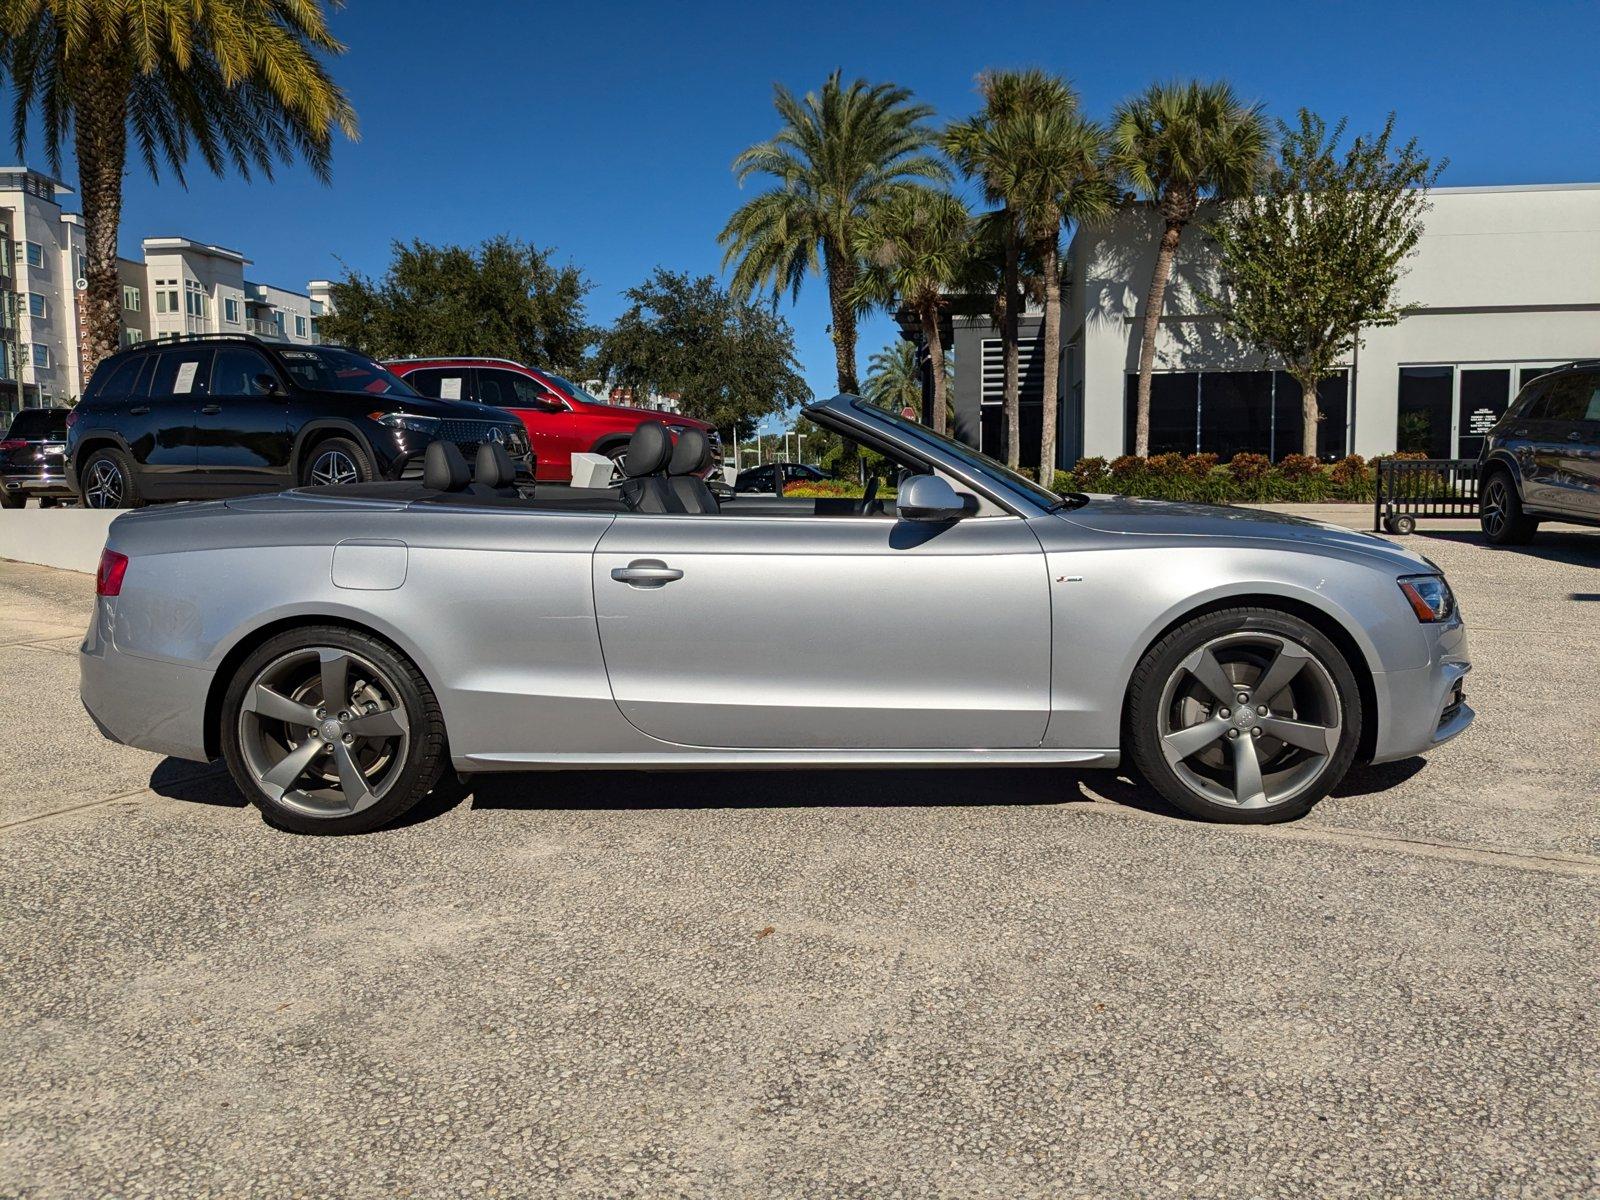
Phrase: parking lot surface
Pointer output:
(1009, 983)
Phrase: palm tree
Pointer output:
(894, 377)
(983, 147)
(239, 80)
(912, 248)
(839, 154)
(1052, 167)
(1177, 144)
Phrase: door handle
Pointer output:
(1574, 436)
(211, 410)
(139, 410)
(646, 573)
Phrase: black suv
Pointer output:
(201, 417)
(1542, 459)
(31, 458)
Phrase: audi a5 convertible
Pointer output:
(347, 649)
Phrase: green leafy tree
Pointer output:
(732, 362)
(986, 148)
(894, 377)
(839, 154)
(240, 81)
(1177, 144)
(505, 299)
(1318, 253)
(913, 248)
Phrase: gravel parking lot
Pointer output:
(816, 984)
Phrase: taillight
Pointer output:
(108, 579)
(14, 444)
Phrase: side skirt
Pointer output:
(758, 760)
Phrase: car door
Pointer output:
(160, 425)
(1559, 443)
(826, 632)
(1582, 456)
(241, 435)
(551, 429)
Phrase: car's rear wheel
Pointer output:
(337, 461)
(329, 730)
(13, 499)
(1247, 715)
(1500, 514)
(107, 481)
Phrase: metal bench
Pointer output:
(1409, 488)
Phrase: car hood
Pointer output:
(1221, 523)
(648, 414)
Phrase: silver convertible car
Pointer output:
(346, 648)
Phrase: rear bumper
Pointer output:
(36, 483)
(142, 702)
(1425, 707)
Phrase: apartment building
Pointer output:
(1505, 283)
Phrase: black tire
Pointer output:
(107, 481)
(1241, 640)
(406, 768)
(49, 501)
(13, 499)
(1404, 526)
(349, 456)
(1500, 513)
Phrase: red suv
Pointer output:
(561, 418)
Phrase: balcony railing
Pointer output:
(264, 329)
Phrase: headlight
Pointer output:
(400, 420)
(1430, 597)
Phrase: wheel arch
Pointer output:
(1501, 460)
(252, 639)
(608, 442)
(91, 440)
(312, 433)
(1325, 622)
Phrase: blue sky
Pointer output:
(605, 130)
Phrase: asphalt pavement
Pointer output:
(809, 984)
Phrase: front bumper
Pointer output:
(142, 702)
(1425, 707)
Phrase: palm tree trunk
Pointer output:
(100, 141)
(1311, 415)
(1011, 348)
(841, 278)
(1152, 324)
(930, 333)
(1049, 261)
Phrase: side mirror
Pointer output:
(929, 498)
(268, 383)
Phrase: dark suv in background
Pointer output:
(1541, 461)
(32, 458)
(201, 417)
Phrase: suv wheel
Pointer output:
(329, 730)
(107, 481)
(1247, 715)
(13, 499)
(1500, 512)
(337, 461)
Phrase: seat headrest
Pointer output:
(648, 450)
(494, 467)
(443, 468)
(690, 455)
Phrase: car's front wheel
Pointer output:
(329, 730)
(1500, 514)
(337, 461)
(1248, 715)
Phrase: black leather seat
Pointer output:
(493, 473)
(643, 488)
(691, 456)
(443, 468)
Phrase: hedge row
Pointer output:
(1247, 477)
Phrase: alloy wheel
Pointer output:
(104, 487)
(322, 731)
(333, 467)
(1250, 720)
(1493, 509)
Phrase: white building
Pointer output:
(45, 248)
(200, 288)
(1507, 280)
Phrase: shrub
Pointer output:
(1350, 469)
(1165, 466)
(1298, 466)
(1247, 468)
(1199, 466)
(1126, 465)
(1088, 476)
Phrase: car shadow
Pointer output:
(1577, 548)
(618, 791)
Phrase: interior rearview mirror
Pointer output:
(929, 498)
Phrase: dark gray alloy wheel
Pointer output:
(331, 730)
(1500, 513)
(106, 483)
(1247, 718)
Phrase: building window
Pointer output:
(194, 299)
(230, 310)
(1233, 412)
(1426, 400)
(166, 295)
(132, 337)
(277, 319)
(299, 325)
(41, 354)
(83, 267)
(132, 299)
(36, 306)
(35, 253)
